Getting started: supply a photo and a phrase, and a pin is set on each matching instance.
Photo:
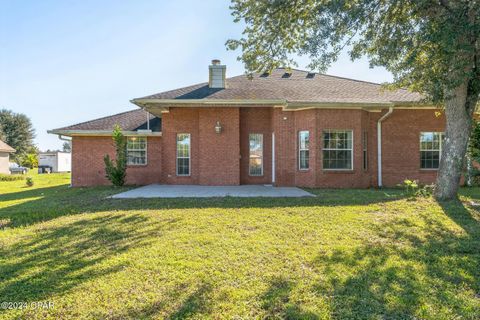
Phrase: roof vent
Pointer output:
(310, 75)
(217, 74)
(286, 75)
(265, 74)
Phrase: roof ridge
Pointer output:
(88, 121)
(181, 88)
(333, 76)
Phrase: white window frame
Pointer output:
(364, 150)
(189, 155)
(300, 149)
(137, 150)
(250, 155)
(440, 148)
(334, 149)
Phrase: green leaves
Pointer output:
(116, 171)
(429, 46)
(17, 131)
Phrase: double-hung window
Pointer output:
(183, 154)
(431, 144)
(338, 150)
(255, 164)
(303, 150)
(136, 151)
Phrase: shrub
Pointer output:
(11, 177)
(29, 182)
(410, 186)
(413, 189)
(29, 160)
(116, 171)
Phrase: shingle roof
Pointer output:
(5, 147)
(129, 121)
(299, 86)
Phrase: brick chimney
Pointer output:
(217, 74)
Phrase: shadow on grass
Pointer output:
(43, 204)
(190, 304)
(393, 278)
(58, 259)
(278, 305)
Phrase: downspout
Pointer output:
(379, 144)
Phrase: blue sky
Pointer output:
(63, 62)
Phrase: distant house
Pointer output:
(286, 128)
(57, 160)
(5, 151)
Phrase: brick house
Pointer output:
(286, 128)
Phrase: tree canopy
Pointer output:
(17, 131)
(429, 46)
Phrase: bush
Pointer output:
(29, 182)
(29, 160)
(116, 171)
(11, 177)
(413, 189)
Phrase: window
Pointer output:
(183, 154)
(365, 154)
(337, 150)
(431, 144)
(136, 151)
(255, 165)
(303, 150)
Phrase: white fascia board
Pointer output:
(94, 133)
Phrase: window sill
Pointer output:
(337, 171)
(136, 165)
(428, 170)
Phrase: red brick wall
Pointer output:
(285, 154)
(214, 157)
(401, 145)
(88, 168)
(287, 124)
(219, 154)
(179, 120)
(255, 120)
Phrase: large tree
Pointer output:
(17, 131)
(430, 46)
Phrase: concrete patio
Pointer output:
(195, 191)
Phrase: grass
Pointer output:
(346, 254)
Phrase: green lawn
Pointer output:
(346, 254)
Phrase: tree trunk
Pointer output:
(459, 115)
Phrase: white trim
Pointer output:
(365, 159)
(300, 149)
(273, 158)
(136, 150)
(189, 155)
(250, 154)
(327, 149)
(80, 133)
(440, 149)
(379, 145)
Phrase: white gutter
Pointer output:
(70, 133)
(62, 138)
(379, 144)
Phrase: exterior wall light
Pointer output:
(218, 127)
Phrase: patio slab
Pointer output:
(195, 191)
